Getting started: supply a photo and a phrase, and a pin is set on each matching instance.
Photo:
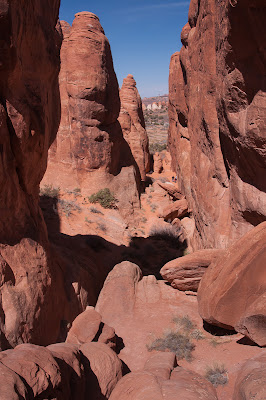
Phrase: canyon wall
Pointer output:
(30, 287)
(133, 125)
(90, 151)
(217, 111)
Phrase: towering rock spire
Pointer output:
(133, 126)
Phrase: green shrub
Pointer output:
(104, 197)
(217, 374)
(177, 343)
(49, 191)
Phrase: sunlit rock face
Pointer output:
(29, 119)
(133, 125)
(90, 151)
(217, 105)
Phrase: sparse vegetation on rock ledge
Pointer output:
(217, 374)
(104, 197)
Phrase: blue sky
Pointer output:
(143, 35)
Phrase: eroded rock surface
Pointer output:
(60, 371)
(160, 380)
(185, 273)
(232, 291)
(90, 152)
(29, 119)
(217, 106)
(251, 380)
(133, 125)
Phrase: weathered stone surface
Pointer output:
(185, 273)
(103, 370)
(217, 105)
(171, 189)
(232, 291)
(140, 309)
(36, 366)
(251, 380)
(163, 383)
(133, 125)
(122, 281)
(85, 327)
(12, 386)
(69, 360)
(177, 209)
(29, 119)
(190, 385)
(90, 151)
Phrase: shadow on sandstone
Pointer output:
(86, 260)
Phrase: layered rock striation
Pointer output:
(30, 286)
(90, 151)
(217, 104)
(133, 125)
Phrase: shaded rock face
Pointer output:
(133, 125)
(90, 151)
(217, 114)
(29, 119)
(238, 278)
(59, 371)
(251, 380)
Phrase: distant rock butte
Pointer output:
(217, 111)
(133, 126)
(90, 151)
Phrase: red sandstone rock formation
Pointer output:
(232, 291)
(29, 118)
(251, 380)
(217, 105)
(133, 125)
(59, 371)
(161, 380)
(185, 273)
(90, 152)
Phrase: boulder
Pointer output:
(160, 381)
(12, 386)
(69, 360)
(36, 366)
(133, 125)
(85, 327)
(217, 101)
(232, 291)
(171, 189)
(103, 369)
(140, 309)
(185, 273)
(251, 380)
(178, 209)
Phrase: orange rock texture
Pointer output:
(232, 291)
(29, 119)
(133, 125)
(90, 151)
(217, 105)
